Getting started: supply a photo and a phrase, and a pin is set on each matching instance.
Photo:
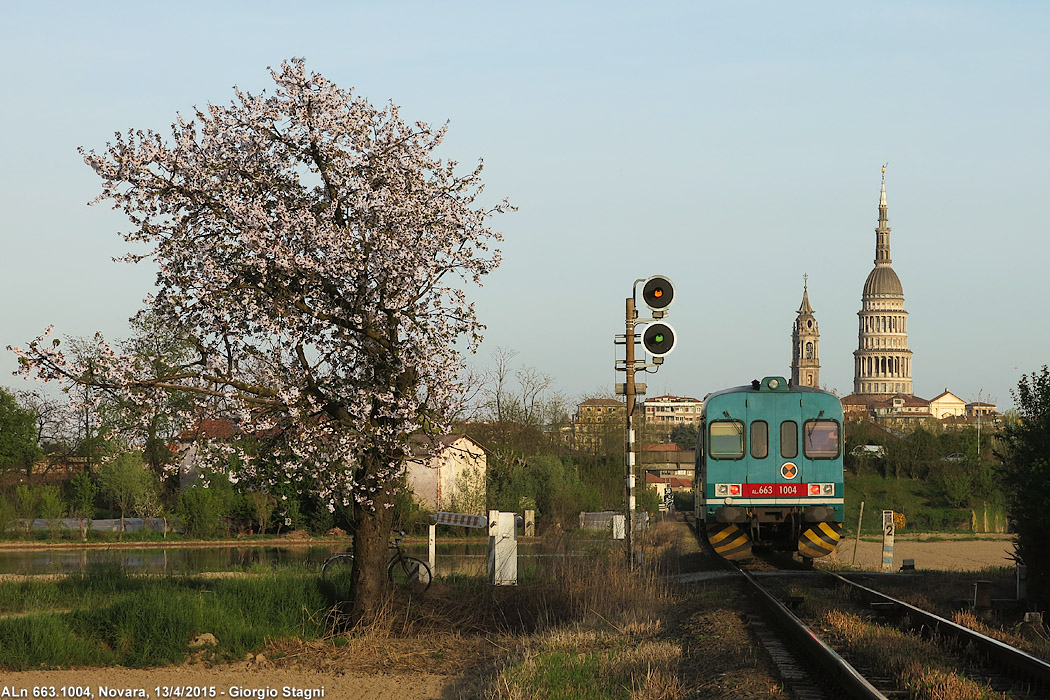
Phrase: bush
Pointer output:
(202, 510)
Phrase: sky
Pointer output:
(730, 146)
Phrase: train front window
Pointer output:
(759, 439)
(726, 439)
(821, 439)
(789, 439)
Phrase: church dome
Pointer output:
(882, 282)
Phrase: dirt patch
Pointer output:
(367, 668)
(240, 680)
(946, 555)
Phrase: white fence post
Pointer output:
(432, 553)
(503, 549)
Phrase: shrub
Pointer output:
(202, 510)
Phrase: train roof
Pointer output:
(769, 385)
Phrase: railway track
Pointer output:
(812, 667)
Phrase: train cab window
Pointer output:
(821, 439)
(789, 439)
(759, 439)
(725, 439)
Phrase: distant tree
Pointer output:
(520, 406)
(52, 507)
(124, 481)
(52, 420)
(262, 507)
(26, 505)
(1024, 452)
(83, 491)
(312, 249)
(19, 449)
(147, 502)
(684, 436)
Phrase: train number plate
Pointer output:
(775, 490)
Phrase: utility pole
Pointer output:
(658, 340)
(629, 392)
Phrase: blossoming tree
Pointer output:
(313, 250)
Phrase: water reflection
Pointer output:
(163, 560)
(459, 557)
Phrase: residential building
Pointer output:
(448, 472)
(669, 411)
(596, 422)
(668, 464)
(980, 409)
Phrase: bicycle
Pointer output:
(405, 572)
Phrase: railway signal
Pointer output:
(658, 294)
(658, 339)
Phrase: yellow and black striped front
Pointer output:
(729, 541)
(819, 540)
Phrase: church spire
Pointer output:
(806, 307)
(882, 233)
(805, 341)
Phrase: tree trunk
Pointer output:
(368, 583)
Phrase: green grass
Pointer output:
(105, 617)
(922, 502)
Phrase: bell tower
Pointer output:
(805, 344)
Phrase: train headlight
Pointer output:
(814, 489)
(726, 490)
(829, 489)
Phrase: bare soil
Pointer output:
(941, 554)
(443, 667)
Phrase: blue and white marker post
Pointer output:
(888, 531)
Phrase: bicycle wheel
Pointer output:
(409, 573)
(335, 571)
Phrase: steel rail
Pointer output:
(1033, 667)
(840, 670)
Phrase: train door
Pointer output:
(787, 470)
(787, 467)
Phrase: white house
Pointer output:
(448, 471)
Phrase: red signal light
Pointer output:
(814, 489)
(658, 293)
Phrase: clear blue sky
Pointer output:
(731, 146)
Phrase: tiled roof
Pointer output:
(209, 429)
(661, 448)
(602, 402)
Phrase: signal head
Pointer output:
(658, 293)
(659, 339)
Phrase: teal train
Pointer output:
(769, 469)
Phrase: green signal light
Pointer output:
(659, 337)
